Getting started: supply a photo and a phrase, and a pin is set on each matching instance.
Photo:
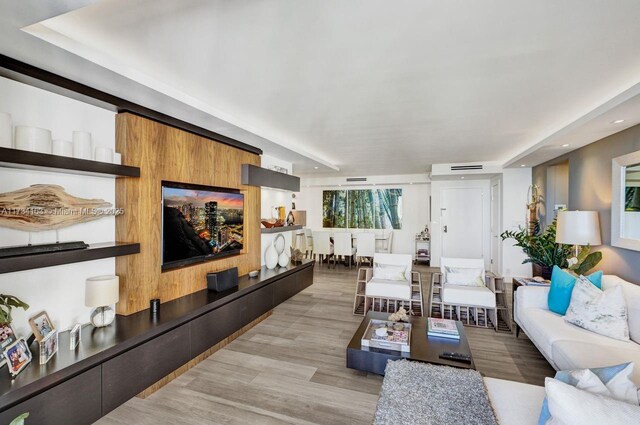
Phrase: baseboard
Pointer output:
(182, 369)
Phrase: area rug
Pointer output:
(420, 393)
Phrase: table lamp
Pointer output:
(100, 293)
(578, 228)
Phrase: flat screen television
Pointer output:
(200, 223)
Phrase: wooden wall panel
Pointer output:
(166, 153)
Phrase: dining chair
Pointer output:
(322, 245)
(343, 247)
(386, 249)
(308, 244)
(366, 247)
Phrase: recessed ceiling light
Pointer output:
(339, 185)
(315, 168)
(566, 145)
(410, 182)
(617, 121)
(523, 165)
(462, 177)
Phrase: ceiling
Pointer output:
(372, 86)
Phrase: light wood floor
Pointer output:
(291, 368)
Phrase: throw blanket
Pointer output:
(420, 393)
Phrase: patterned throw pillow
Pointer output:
(602, 312)
(464, 276)
(613, 381)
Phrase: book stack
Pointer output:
(442, 328)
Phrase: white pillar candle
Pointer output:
(117, 158)
(6, 134)
(82, 145)
(103, 154)
(62, 148)
(33, 139)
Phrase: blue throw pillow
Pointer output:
(562, 284)
(604, 373)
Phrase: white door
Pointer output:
(496, 224)
(461, 218)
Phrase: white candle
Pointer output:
(82, 145)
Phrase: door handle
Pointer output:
(445, 229)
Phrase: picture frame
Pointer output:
(41, 325)
(48, 347)
(7, 337)
(75, 335)
(18, 356)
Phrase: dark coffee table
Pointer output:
(423, 348)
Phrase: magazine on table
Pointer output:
(442, 327)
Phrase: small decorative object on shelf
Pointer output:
(291, 220)
(271, 256)
(399, 316)
(47, 207)
(62, 148)
(269, 223)
(254, 273)
(100, 293)
(48, 347)
(41, 325)
(18, 356)
(75, 335)
(82, 145)
(296, 255)
(383, 334)
(154, 306)
(33, 139)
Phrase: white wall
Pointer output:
(515, 184)
(436, 225)
(58, 290)
(415, 203)
(270, 198)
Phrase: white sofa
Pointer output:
(568, 347)
(515, 403)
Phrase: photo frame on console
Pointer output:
(7, 337)
(48, 347)
(41, 325)
(18, 356)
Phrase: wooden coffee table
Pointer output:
(423, 348)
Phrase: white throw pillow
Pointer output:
(602, 312)
(464, 276)
(389, 272)
(571, 406)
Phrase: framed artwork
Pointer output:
(48, 346)
(18, 356)
(362, 208)
(41, 325)
(7, 337)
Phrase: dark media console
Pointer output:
(117, 362)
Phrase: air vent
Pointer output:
(466, 167)
(356, 179)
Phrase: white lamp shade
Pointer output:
(101, 291)
(578, 228)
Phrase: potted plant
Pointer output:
(543, 252)
(8, 303)
(20, 419)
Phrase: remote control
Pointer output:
(456, 356)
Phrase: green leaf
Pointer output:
(20, 419)
(7, 303)
(590, 262)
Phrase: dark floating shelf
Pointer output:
(253, 175)
(280, 229)
(25, 160)
(94, 252)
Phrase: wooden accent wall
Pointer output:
(166, 153)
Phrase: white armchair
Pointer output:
(389, 285)
(455, 292)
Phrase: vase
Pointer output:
(283, 260)
(271, 257)
(543, 271)
(279, 243)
